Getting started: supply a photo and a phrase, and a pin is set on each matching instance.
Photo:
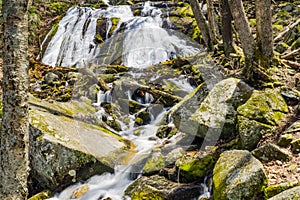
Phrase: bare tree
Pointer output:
(202, 24)
(264, 31)
(213, 30)
(226, 28)
(14, 148)
(243, 30)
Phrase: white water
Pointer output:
(144, 41)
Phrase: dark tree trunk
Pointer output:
(202, 24)
(243, 30)
(264, 31)
(226, 19)
(14, 148)
(213, 30)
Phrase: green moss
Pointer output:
(194, 167)
(273, 190)
(42, 195)
(155, 163)
(252, 22)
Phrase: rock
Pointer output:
(273, 190)
(73, 77)
(158, 187)
(285, 140)
(266, 107)
(291, 136)
(51, 77)
(250, 132)
(153, 164)
(194, 167)
(237, 175)
(46, 194)
(61, 142)
(216, 115)
(296, 145)
(174, 155)
(269, 152)
(145, 117)
(166, 131)
(290, 194)
(129, 106)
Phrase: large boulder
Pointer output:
(159, 188)
(237, 175)
(260, 113)
(211, 114)
(68, 144)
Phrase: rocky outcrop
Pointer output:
(158, 187)
(67, 144)
(237, 175)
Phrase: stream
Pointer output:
(145, 40)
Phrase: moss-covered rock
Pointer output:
(269, 152)
(193, 167)
(166, 131)
(267, 107)
(250, 132)
(174, 155)
(159, 188)
(290, 194)
(64, 138)
(237, 175)
(154, 163)
(273, 190)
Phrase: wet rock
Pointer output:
(61, 142)
(50, 78)
(250, 132)
(238, 175)
(130, 106)
(166, 131)
(42, 195)
(193, 167)
(158, 187)
(93, 91)
(267, 107)
(145, 117)
(293, 193)
(73, 77)
(154, 163)
(173, 156)
(269, 152)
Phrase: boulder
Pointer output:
(290, 194)
(65, 138)
(194, 167)
(269, 152)
(237, 175)
(174, 155)
(291, 136)
(273, 190)
(159, 188)
(211, 114)
(154, 163)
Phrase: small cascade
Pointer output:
(139, 41)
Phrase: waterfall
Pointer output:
(139, 41)
(142, 39)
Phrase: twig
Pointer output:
(285, 31)
(294, 65)
(291, 54)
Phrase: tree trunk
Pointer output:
(226, 18)
(213, 31)
(243, 30)
(264, 31)
(202, 24)
(14, 148)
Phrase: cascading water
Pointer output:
(144, 43)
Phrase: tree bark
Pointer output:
(213, 31)
(264, 31)
(226, 19)
(202, 24)
(14, 148)
(243, 30)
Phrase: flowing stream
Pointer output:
(144, 42)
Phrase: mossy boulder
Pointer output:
(266, 107)
(269, 152)
(154, 163)
(291, 136)
(159, 188)
(250, 132)
(67, 137)
(273, 190)
(290, 194)
(194, 167)
(174, 155)
(237, 175)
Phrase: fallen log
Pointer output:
(285, 31)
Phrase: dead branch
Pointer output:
(285, 31)
(294, 65)
(291, 54)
